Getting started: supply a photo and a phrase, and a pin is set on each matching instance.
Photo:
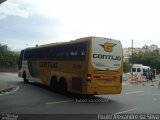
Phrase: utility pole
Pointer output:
(132, 60)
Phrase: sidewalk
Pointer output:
(4, 86)
(8, 74)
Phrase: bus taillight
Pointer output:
(89, 77)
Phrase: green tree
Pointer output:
(126, 67)
(7, 58)
(3, 48)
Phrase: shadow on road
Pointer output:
(76, 97)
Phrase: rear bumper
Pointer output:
(97, 90)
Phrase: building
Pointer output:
(153, 47)
(127, 52)
(158, 50)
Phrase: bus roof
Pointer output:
(68, 42)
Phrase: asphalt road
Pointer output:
(33, 98)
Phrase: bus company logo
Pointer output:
(108, 47)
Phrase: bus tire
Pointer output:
(62, 86)
(54, 84)
(24, 78)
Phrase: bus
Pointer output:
(87, 66)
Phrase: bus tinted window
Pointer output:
(63, 52)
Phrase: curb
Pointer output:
(6, 88)
(8, 74)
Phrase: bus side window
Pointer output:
(82, 51)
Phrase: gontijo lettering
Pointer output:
(108, 57)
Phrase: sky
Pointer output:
(25, 23)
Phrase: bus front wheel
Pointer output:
(54, 85)
(24, 78)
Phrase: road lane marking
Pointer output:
(126, 111)
(155, 94)
(10, 91)
(133, 92)
(49, 103)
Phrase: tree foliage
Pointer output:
(126, 67)
(7, 57)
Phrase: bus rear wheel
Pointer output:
(62, 86)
